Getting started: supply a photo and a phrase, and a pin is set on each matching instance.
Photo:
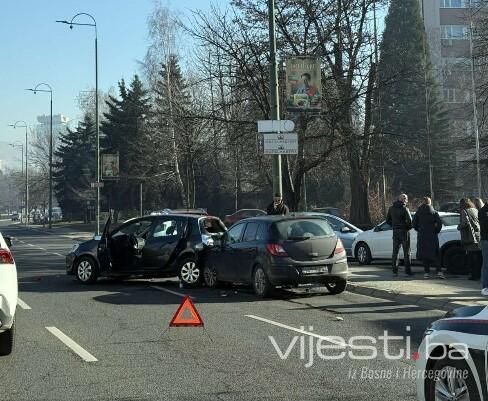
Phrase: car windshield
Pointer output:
(450, 220)
(298, 229)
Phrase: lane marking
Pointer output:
(157, 287)
(77, 349)
(23, 305)
(301, 331)
(57, 254)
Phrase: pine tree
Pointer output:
(75, 168)
(407, 90)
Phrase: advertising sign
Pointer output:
(303, 85)
(110, 166)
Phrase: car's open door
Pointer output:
(103, 250)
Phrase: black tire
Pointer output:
(86, 270)
(210, 276)
(190, 273)
(436, 378)
(455, 260)
(260, 282)
(7, 340)
(336, 287)
(363, 254)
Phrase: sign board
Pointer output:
(281, 144)
(110, 166)
(97, 184)
(303, 84)
(186, 315)
(275, 126)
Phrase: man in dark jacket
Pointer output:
(277, 207)
(400, 219)
(483, 219)
(428, 224)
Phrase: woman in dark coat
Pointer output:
(428, 224)
(469, 228)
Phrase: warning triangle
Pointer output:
(186, 315)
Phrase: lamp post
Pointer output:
(72, 23)
(50, 91)
(15, 125)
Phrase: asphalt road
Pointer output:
(124, 326)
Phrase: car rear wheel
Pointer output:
(86, 270)
(262, 286)
(7, 341)
(190, 273)
(336, 287)
(363, 254)
(455, 260)
(451, 380)
(210, 276)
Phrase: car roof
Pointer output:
(275, 218)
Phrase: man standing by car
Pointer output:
(277, 207)
(400, 219)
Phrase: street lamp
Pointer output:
(15, 125)
(50, 91)
(71, 23)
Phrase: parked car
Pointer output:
(15, 216)
(377, 244)
(450, 207)
(153, 246)
(242, 214)
(8, 296)
(328, 209)
(269, 251)
(452, 357)
(344, 230)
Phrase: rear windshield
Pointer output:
(211, 226)
(299, 229)
(452, 220)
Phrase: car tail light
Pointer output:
(6, 257)
(276, 250)
(339, 247)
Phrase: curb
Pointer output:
(405, 299)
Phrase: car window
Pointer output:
(261, 233)
(290, 229)
(234, 234)
(211, 226)
(138, 228)
(336, 224)
(250, 233)
(452, 220)
(168, 228)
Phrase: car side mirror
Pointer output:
(8, 241)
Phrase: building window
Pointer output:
(455, 95)
(454, 3)
(454, 32)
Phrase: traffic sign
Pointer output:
(275, 126)
(281, 144)
(97, 184)
(186, 315)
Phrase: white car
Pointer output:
(377, 244)
(452, 358)
(8, 296)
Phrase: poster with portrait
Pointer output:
(110, 166)
(303, 85)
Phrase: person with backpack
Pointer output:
(428, 225)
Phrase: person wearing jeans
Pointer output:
(483, 220)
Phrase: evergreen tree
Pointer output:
(407, 91)
(75, 168)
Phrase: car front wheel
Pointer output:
(7, 341)
(86, 270)
(451, 380)
(363, 254)
(190, 273)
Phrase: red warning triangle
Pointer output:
(186, 315)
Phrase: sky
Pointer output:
(35, 49)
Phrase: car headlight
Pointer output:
(74, 248)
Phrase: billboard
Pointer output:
(303, 85)
(110, 166)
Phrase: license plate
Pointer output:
(315, 271)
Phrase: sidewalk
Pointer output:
(378, 281)
(74, 230)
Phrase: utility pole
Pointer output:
(274, 93)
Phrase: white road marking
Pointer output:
(57, 254)
(77, 349)
(23, 305)
(301, 331)
(157, 287)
